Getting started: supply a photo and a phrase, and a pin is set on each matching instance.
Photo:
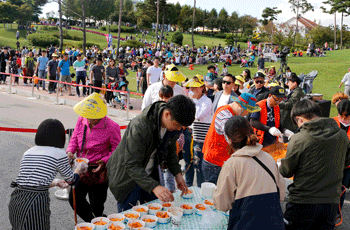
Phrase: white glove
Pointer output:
(275, 132)
(288, 133)
(81, 168)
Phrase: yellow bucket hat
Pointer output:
(237, 82)
(240, 78)
(199, 77)
(173, 74)
(194, 84)
(54, 55)
(92, 107)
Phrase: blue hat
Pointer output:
(247, 101)
(122, 83)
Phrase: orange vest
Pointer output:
(337, 120)
(263, 118)
(215, 148)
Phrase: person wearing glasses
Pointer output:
(216, 149)
(223, 97)
(258, 89)
(267, 122)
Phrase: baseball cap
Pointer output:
(278, 91)
(259, 74)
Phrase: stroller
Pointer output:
(307, 81)
(119, 97)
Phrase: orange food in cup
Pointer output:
(131, 216)
(162, 215)
(84, 228)
(100, 223)
(112, 227)
(167, 205)
(154, 208)
(185, 206)
(80, 160)
(135, 225)
(116, 219)
(149, 220)
(141, 210)
(200, 207)
(189, 191)
(208, 202)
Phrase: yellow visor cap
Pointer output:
(175, 76)
(194, 84)
(92, 107)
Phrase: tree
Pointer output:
(321, 35)
(193, 21)
(223, 20)
(299, 7)
(8, 12)
(248, 24)
(234, 23)
(269, 15)
(185, 19)
(212, 20)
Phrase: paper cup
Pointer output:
(187, 211)
(154, 207)
(168, 205)
(78, 160)
(163, 220)
(150, 224)
(136, 221)
(189, 195)
(200, 209)
(116, 224)
(139, 208)
(176, 218)
(118, 218)
(98, 219)
(128, 218)
(175, 209)
(209, 203)
(90, 225)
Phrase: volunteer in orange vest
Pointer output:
(267, 122)
(215, 149)
(343, 121)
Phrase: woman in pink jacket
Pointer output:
(95, 137)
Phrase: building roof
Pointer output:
(306, 22)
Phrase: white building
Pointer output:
(304, 26)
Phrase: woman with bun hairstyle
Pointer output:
(250, 185)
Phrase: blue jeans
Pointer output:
(137, 194)
(198, 161)
(211, 172)
(81, 76)
(187, 154)
(42, 75)
(169, 180)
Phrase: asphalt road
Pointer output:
(17, 111)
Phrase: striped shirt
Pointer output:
(40, 165)
(200, 130)
(220, 121)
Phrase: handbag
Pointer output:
(269, 172)
(90, 178)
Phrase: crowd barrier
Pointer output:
(25, 130)
(70, 84)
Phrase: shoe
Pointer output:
(84, 95)
(25, 84)
(122, 107)
(61, 94)
(13, 84)
(78, 95)
(50, 92)
(44, 89)
(71, 94)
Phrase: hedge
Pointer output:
(114, 29)
(43, 40)
(132, 43)
(49, 28)
(177, 38)
(223, 35)
(67, 36)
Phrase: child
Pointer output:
(138, 78)
(121, 96)
(165, 93)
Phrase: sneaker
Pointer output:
(25, 84)
(78, 95)
(50, 92)
(13, 84)
(61, 94)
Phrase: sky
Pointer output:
(251, 7)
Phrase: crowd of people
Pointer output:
(217, 125)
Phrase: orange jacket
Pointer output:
(337, 120)
(263, 118)
(215, 148)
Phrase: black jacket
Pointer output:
(127, 165)
(261, 95)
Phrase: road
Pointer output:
(17, 111)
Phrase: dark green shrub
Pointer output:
(114, 29)
(43, 40)
(48, 28)
(131, 44)
(243, 39)
(177, 38)
(68, 36)
(223, 35)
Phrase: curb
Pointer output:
(111, 112)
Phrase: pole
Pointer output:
(74, 205)
(10, 90)
(60, 19)
(57, 94)
(127, 105)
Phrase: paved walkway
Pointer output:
(68, 100)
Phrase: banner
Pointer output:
(109, 38)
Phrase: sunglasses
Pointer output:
(227, 82)
(259, 82)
